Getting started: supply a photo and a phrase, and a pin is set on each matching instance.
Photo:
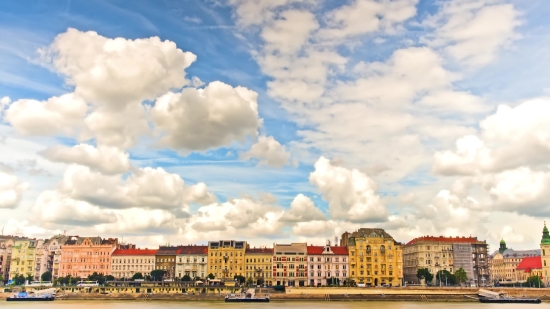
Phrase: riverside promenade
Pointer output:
(318, 294)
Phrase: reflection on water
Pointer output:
(271, 305)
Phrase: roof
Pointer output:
(367, 232)
(167, 250)
(192, 250)
(259, 251)
(511, 253)
(318, 250)
(528, 263)
(135, 252)
(443, 239)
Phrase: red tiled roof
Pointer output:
(259, 251)
(135, 252)
(528, 263)
(443, 239)
(192, 250)
(317, 250)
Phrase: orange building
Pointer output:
(82, 256)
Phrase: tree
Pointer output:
(158, 274)
(241, 279)
(534, 281)
(461, 275)
(137, 276)
(186, 278)
(261, 281)
(47, 276)
(211, 276)
(29, 278)
(100, 278)
(1, 278)
(109, 278)
(445, 277)
(249, 281)
(424, 273)
(19, 279)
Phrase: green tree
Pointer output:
(158, 274)
(424, 273)
(534, 281)
(241, 279)
(445, 277)
(260, 280)
(109, 278)
(137, 276)
(249, 281)
(47, 276)
(211, 276)
(461, 275)
(100, 278)
(1, 278)
(186, 278)
(19, 279)
(29, 278)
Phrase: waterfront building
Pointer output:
(226, 258)
(327, 265)
(6, 244)
(49, 256)
(259, 265)
(23, 257)
(528, 267)
(447, 253)
(545, 254)
(375, 258)
(82, 256)
(290, 264)
(504, 262)
(127, 262)
(165, 259)
(192, 261)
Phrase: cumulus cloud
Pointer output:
(200, 119)
(4, 102)
(302, 209)
(108, 160)
(57, 115)
(351, 194)
(268, 151)
(11, 189)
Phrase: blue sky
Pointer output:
(384, 96)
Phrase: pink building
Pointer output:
(327, 265)
(82, 256)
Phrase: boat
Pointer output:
(87, 283)
(31, 296)
(248, 297)
(486, 296)
(39, 284)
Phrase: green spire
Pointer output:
(502, 247)
(545, 236)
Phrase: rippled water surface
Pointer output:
(271, 305)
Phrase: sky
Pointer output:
(275, 121)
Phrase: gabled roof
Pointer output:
(135, 252)
(192, 250)
(511, 253)
(528, 263)
(443, 239)
(259, 251)
(318, 250)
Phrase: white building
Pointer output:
(327, 265)
(127, 262)
(192, 261)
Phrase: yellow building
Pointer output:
(545, 255)
(505, 261)
(375, 258)
(259, 265)
(23, 257)
(226, 259)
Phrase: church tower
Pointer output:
(502, 247)
(545, 255)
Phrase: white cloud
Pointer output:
(57, 115)
(302, 209)
(109, 160)
(249, 13)
(351, 194)
(200, 119)
(288, 33)
(473, 31)
(268, 152)
(11, 190)
(4, 102)
(192, 19)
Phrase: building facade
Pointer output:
(125, 263)
(290, 264)
(528, 267)
(375, 258)
(480, 255)
(226, 258)
(6, 245)
(504, 262)
(165, 259)
(192, 261)
(23, 257)
(258, 265)
(545, 255)
(82, 256)
(328, 265)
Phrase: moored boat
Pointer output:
(486, 296)
(24, 296)
(248, 297)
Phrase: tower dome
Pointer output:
(545, 236)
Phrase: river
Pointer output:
(271, 305)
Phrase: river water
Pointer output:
(271, 305)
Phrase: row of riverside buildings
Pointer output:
(366, 257)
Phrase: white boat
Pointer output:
(87, 283)
(39, 283)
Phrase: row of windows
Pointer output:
(337, 266)
(328, 274)
(262, 261)
(123, 261)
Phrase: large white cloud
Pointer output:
(109, 160)
(302, 209)
(268, 151)
(11, 189)
(200, 119)
(351, 194)
(57, 115)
